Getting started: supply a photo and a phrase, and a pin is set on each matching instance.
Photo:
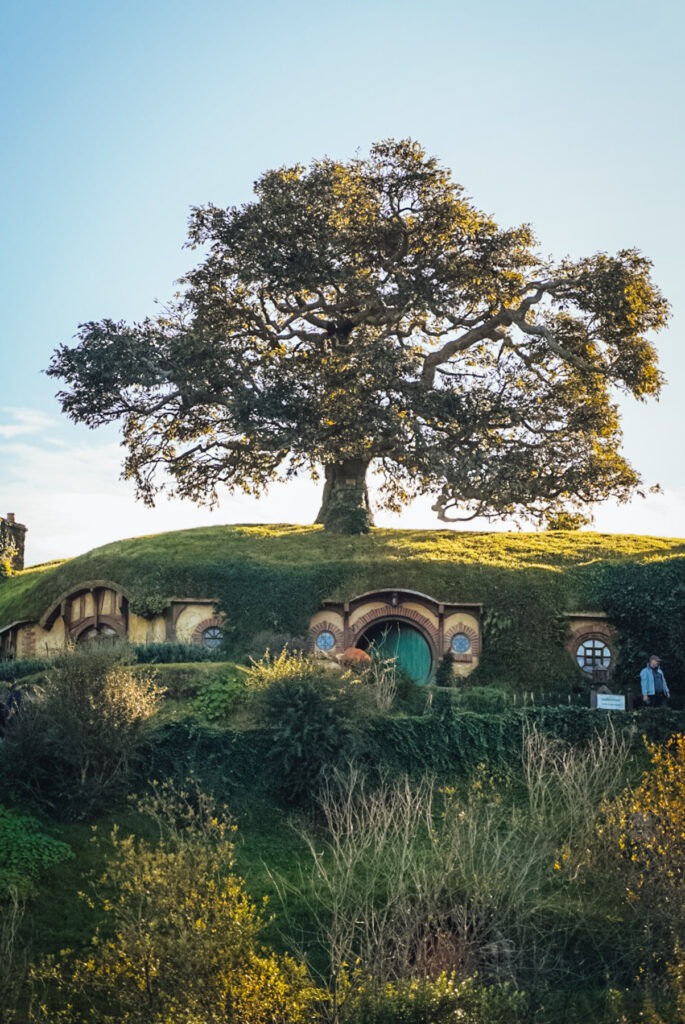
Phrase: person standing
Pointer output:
(655, 690)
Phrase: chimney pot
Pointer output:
(10, 517)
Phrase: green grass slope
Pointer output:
(272, 578)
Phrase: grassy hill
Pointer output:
(272, 578)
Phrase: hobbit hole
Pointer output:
(414, 628)
(421, 631)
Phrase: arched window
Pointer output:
(213, 637)
(96, 634)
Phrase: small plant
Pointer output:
(283, 667)
(440, 1000)
(382, 674)
(26, 850)
(220, 696)
(444, 675)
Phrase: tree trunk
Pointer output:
(345, 505)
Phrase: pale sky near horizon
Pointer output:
(117, 116)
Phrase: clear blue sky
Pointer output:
(117, 116)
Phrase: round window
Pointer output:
(592, 655)
(460, 643)
(325, 641)
(212, 637)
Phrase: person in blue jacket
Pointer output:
(655, 690)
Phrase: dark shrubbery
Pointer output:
(70, 747)
(647, 604)
(310, 722)
(22, 667)
(173, 654)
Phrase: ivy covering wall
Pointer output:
(269, 580)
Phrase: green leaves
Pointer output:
(367, 310)
(26, 851)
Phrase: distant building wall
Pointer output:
(14, 534)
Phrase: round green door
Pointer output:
(402, 642)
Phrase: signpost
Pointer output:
(607, 701)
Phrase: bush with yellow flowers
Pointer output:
(179, 939)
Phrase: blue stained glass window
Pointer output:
(461, 643)
(325, 641)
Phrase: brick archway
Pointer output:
(474, 640)
(407, 615)
(215, 622)
(326, 627)
(594, 631)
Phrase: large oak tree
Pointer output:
(366, 314)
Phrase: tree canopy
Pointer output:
(366, 314)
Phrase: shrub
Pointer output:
(220, 696)
(12, 670)
(26, 850)
(287, 666)
(309, 719)
(442, 1000)
(646, 828)
(180, 939)
(168, 653)
(71, 746)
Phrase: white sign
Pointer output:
(611, 701)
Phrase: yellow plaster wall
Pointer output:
(146, 631)
(364, 609)
(34, 642)
(335, 619)
(427, 613)
(454, 618)
(191, 616)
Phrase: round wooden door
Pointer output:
(404, 643)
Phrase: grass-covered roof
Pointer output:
(271, 579)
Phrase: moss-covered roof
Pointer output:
(452, 566)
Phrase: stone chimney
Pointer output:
(15, 533)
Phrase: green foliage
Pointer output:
(180, 940)
(71, 745)
(310, 725)
(441, 1000)
(444, 675)
(171, 653)
(647, 604)
(184, 680)
(482, 699)
(12, 670)
(390, 323)
(26, 851)
(220, 696)
(148, 601)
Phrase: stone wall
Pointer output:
(13, 535)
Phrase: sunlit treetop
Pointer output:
(367, 315)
